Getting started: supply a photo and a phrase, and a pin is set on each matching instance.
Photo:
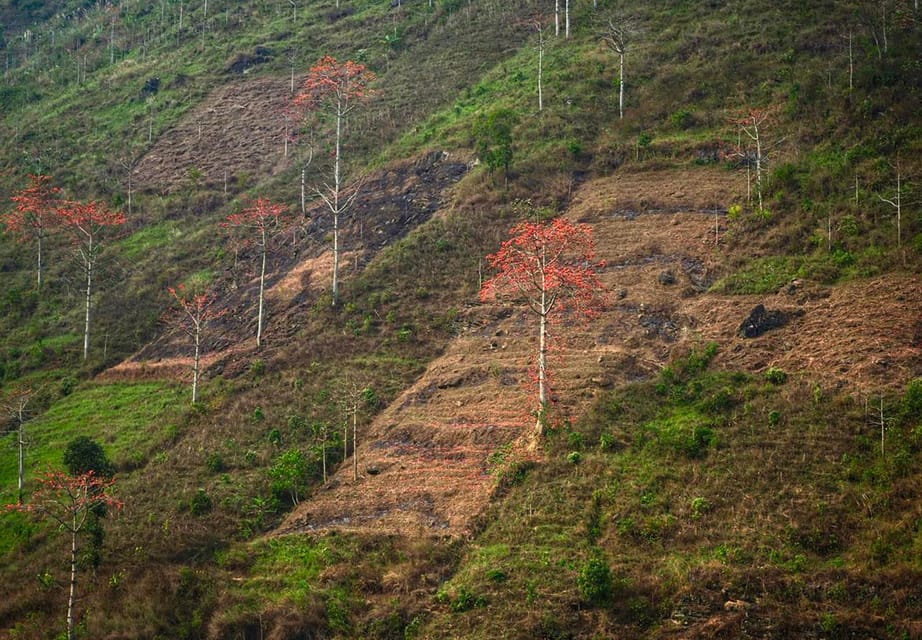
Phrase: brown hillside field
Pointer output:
(239, 129)
(424, 462)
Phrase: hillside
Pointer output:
(370, 470)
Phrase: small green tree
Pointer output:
(288, 474)
(84, 455)
(493, 135)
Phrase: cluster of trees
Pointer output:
(42, 212)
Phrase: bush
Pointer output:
(214, 462)
(85, 454)
(775, 375)
(200, 503)
(595, 581)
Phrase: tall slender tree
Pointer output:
(618, 36)
(551, 269)
(336, 89)
(87, 223)
(70, 501)
(261, 219)
(35, 216)
(16, 409)
(196, 311)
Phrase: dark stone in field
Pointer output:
(243, 62)
(761, 320)
(667, 277)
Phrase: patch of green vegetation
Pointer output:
(761, 276)
(150, 238)
(129, 419)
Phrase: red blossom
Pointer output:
(68, 499)
(35, 209)
(86, 220)
(556, 260)
(336, 82)
(197, 309)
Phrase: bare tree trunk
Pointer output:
(897, 205)
(72, 596)
(567, 19)
(621, 87)
(556, 17)
(41, 238)
(262, 287)
(758, 164)
(355, 446)
(541, 425)
(22, 469)
(195, 364)
(89, 291)
(336, 211)
(540, 68)
(323, 455)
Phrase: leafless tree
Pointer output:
(618, 36)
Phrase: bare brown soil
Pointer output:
(237, 131)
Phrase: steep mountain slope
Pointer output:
(697, 483)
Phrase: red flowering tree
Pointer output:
(88, 223)
(335, 88)
(70, 501)
(260, 219)
(35, 216)
(196, 311)
(550, 268)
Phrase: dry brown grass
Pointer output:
(423, 464)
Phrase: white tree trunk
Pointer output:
(567, 18)
(540, 69)
(41, 238)
(89, 291)
(22, 457)
(355, 446)
(72, 595)
(541, 425)
(336, 211)
(556, 17)
(621, 86)
(262, 287)
(195, 363)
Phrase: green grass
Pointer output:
(150, 238)
(128, 419)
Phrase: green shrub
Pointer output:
(214, 463)
(699, 506)
(85, 454)
(912, 400)
(595, 581)
(201, 503)
(289, 474)
(775, 375)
